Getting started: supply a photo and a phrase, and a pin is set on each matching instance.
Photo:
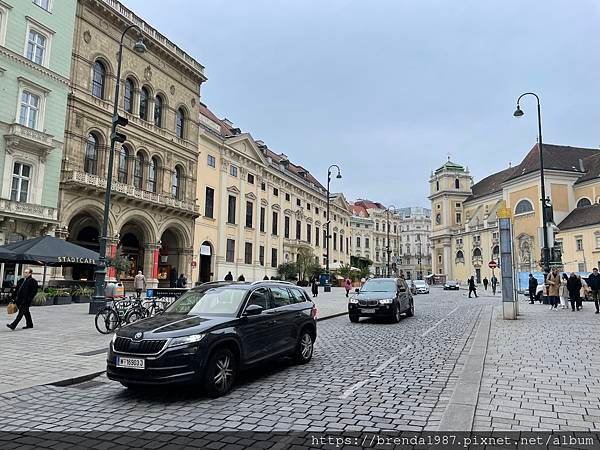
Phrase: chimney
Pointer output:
(581, 166)
(227, 122)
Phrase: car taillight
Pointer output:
(313, 313)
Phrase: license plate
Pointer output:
(131, 363)
(367, 311)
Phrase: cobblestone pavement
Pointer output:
(366, 376)
(64, 343)
(542, 372)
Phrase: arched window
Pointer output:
(176, 183)
(138, 170)
(495, 252)
(144, 95)
(123, 171)
(524, 206)
(152, 174)
(460, 256)
(457, 183)
(128, 95)
(180, 123)
(90, 164)
(584, 202)
(477, 253)
(98, 80)
(158, 110)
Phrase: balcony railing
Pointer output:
(28, 210)
(27, 138)
(128, 191)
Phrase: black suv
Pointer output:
(382, 297)
(212, 332)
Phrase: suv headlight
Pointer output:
(185, 340)
(386, 301)
(353, 300)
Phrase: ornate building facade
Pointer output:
(258, 208)
(153, 208)
(36, 40)
(465, 224)
(409, 230)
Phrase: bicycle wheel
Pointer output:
(153, 310)
(107, 320)
(135, 314)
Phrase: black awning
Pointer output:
(47, 250)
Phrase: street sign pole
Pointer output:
(509, 305)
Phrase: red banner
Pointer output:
(155, 264)
(112, 252)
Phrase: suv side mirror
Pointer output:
(253, 310)
(357, 290)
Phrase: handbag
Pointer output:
(11, 308)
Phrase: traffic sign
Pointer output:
(193, 263)
(492, 264)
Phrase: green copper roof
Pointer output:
(451, 167)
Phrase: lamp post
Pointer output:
(99, 299)
(338, 176)
(388, 249)
(545, 249)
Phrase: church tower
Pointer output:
(449, 187)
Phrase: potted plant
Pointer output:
(82, 294)
(62, 297)
(50, 295)
(39, 299)
(120, 263)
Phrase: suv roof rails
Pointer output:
(272, 281)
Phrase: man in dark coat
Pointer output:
(594, 284)
(533, 284)
(27, 288)
(181, 281)
(229, 276)
(472, 287)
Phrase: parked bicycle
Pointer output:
(118, 312)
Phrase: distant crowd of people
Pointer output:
(565, 289)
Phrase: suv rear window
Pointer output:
(298, 296)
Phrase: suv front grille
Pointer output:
(368, 302)
(143, 347)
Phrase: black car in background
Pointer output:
(382, 297)
(451, 286)
(212, 332)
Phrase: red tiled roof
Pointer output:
(225, 129)
(368, 204)
(581, 217)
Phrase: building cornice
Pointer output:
(36, 67)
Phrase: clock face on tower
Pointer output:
(438, 219)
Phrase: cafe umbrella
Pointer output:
(47, 251)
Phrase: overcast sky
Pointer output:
(387, 89)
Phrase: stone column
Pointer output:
(111, 252)
(241, 235)
(60, 273)
(222, 218)
(150, 266)
(185, 262)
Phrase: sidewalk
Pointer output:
(65, 345)
(542, 371)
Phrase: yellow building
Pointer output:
(257, 208)
(465, 226)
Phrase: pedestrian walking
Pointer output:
(265, 278)
(472, 287)
(348, 286)
(553, 283)
(139, 283)
(181, 281)
(27, 288)
(229, 277)
(533, 284)
(594, 284)
(314, 287)
(574, 288)
(581, 292)
(485, 283)
(173, 277)
(494, 283)
(564, 292)
(241, 278)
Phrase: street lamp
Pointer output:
(139, 47)
(388, 250)
(338, 176)
(545, 249)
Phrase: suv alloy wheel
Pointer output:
(395, 313)
(304, 349)
(221, 372)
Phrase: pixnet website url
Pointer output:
(381, 441)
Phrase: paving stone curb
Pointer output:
(460, 411)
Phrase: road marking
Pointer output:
(438, 323)
(374, 373)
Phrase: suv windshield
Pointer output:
(379, 286)
(223, 301)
